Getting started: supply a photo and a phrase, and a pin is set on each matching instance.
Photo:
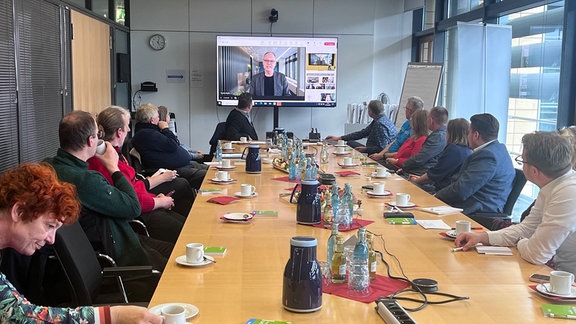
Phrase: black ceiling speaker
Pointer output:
(273, 16)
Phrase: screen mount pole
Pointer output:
(275, 116)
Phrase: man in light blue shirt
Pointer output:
(412, 105)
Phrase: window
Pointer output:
(457, 7)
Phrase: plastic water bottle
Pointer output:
(219, 152)
(359, 273)
(332, 241)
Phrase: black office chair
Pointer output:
(134, 159)
(494, 221)
(219, 133)
(82, 269)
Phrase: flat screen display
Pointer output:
(277, 71)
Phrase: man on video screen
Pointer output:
(269, 83)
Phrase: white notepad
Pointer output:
(433, 224)
(493, 250)
(441, 210)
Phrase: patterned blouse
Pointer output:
(14, 308)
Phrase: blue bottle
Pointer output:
(348, 201)
(335, 198)
(359, 273)
(219, 152)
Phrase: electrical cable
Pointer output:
(416, 285)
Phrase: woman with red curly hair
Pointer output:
(33, 205)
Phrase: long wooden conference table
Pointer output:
(247, 282)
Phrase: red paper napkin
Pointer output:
(356, 224)
(286, 179)
(223, 200)
(346, 173)
(381, 286)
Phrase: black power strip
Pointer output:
(392, 313)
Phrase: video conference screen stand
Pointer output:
(275, 117)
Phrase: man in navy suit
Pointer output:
(485, 178)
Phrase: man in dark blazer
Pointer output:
(432, 147)
(485, 178)
(269, 82)
(238, 123)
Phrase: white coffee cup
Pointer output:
(222, 175)
(247, 190)
(463, 226)
(341, 143)
(348, 161)
(340, 149)
(402, 199)
(194, 253)
(173, 314)
(226, 163)
(227, 146)
(243, 139)
(561, 282)
(381, 172)
(378, 187)
(101, 148)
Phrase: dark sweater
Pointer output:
(159, 148)
(117, 203)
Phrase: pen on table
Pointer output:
(473, 228)
(456, 249)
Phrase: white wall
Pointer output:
(374, 49)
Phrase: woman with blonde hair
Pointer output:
(450, 160)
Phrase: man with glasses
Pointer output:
(413, 104)
(269, 83)
(107, 207)
(485, 178)
(547, 235)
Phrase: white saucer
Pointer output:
(347, 166)
(544, 288)
(189, 309)
(340, 153)
(181, 260)
(340, 145)
(451, 233)
(375, 175)
(409, 205)
(232, 167)
(240, 195)
(242, 217)
(374, 194)
(216, 180)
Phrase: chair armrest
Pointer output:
(127, 270)
(492, 221)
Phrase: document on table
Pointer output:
(441, 210)
(433, 224)
(493, 250)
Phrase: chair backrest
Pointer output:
(517, 186)
(219, 133)
(79, 262)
